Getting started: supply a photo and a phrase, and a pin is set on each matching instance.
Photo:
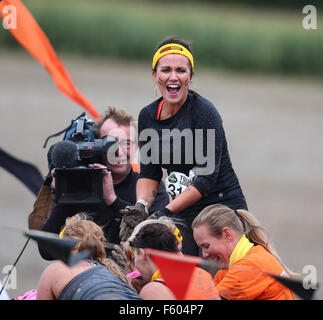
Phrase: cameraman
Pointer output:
(119, 184)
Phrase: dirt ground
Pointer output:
(273, 127)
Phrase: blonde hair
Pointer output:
(90, 236)
(218, 216)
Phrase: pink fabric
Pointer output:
(134, 274)
(29, 295)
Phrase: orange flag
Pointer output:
(28, 33)
(135, 167)
(183, 277)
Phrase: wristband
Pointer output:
(143, 204)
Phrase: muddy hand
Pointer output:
(132, 216)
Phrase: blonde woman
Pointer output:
(97, 278)
(238, 244)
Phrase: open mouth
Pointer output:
(173, 89)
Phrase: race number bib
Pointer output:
(177, 182)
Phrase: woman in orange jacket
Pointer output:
(237, 243)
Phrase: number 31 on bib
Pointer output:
(177, 182)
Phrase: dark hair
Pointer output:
(155, 236)
(173, 39)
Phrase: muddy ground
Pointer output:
(273, 127)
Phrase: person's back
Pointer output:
(96, 278)
(97, 283)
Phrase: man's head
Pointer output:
(116, 122)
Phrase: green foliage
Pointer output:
(258, 3)
(222, 37)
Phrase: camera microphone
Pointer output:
(65, 154)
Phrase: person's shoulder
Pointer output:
(197, 98)
(156, 291)
(58, 266)
(260, 257)
(149, 110)
(54, 269)
(201, 105)
(258, 252)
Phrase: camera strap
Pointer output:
(55, 135)
(80, 126)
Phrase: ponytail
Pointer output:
(252, 230)
(218, 216)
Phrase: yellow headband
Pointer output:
(178, 235)
(132, 251)
(172, 48)
(156, 275)
(61, 234)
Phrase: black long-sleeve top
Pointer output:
(201, 124)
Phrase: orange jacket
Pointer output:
(201, 286)
(246, 278)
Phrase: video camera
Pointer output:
(75, 182)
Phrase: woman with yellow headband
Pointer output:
(182, 132)
(169, 223)
(237, 243)
(162, 234)
(155, 236)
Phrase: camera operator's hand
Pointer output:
(108, 189)
(160, 213)
(132, 215)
